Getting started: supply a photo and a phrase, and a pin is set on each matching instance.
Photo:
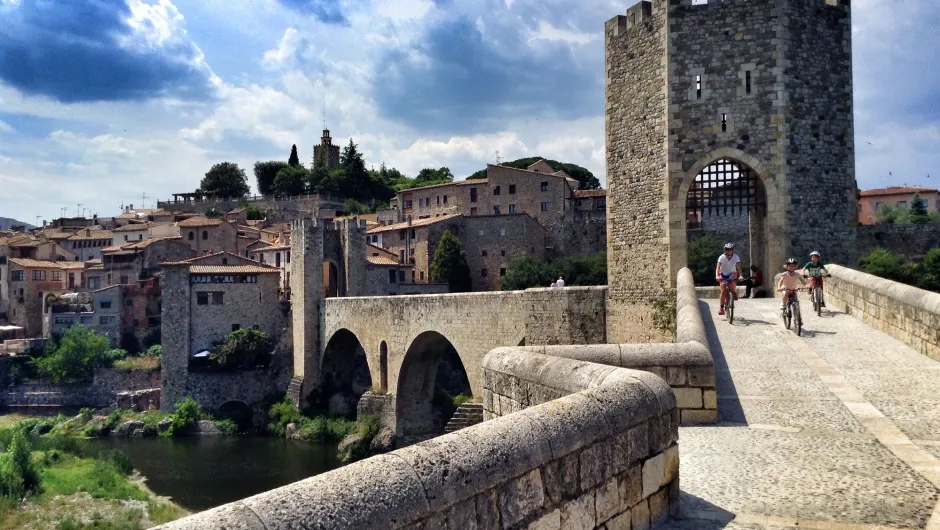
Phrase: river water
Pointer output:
(202, 472)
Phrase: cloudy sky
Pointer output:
(102, 101)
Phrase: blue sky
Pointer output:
(102, 101)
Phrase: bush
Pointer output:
(887, 265)
(529, 271)
(155, 351)
(325, 428)
(281, 414)
(75, 355)
(185, 416)
(664, 312)
(18, 475)
(460, 399)
(253, 213)
(227, 426)
(354, 207)
(243, 349)
(929, 271)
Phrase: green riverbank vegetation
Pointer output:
(356, 436)
(64, 483)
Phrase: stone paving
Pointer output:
(837, 429)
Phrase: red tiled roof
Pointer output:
(41, 264)
(381, 260)
(414, 224)
(584, 194)
(897, 190)
(91, 234)
(195, 222)
(232, 269)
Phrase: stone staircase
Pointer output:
(466, 415)
(294, 388)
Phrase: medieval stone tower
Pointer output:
(725, 107)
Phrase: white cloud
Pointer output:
(286, 49)
(6, 127)
(546, 31)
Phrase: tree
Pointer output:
(355, 182)
(253, 213)
(294, 160)
(225, 180)
(929, 271)
(703, 257)
(265, 173)
(918, 213)
(354, 207)
(290, 181)
(243, 348)
(437, 176)
(530, 271)
(75, 355)
(887, 265)
(450, 264)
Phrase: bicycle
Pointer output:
(817, 292)
(791, 310)
(729, 307)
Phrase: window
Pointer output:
(724, 122)
(401, 276)
(512, 208)
(105, 304)
(484, 254)
(39, 276)
(502, 231)
(747, 82)
(483, 273)
(375, 239)
(698, 87)
(422, 275)
(412, 275)
(878, 206)
(495, 190)
(401, 256)
(392, 276)
(277, 259)
(192, 236)
(473, 195)
(545, 186)
(413, 233)
(16, 276)
(202, 298)
(438, 200)
(406, 204)
(217, 298)
(445, 199)
(205, 235)
(140, 237)
(123, 280)
(236, 327)
(512, 189)
(125, 237)
(601, 204)
(106, 320)
(56, 276)
(496, 210)
(502, 271)
(544, 206)
(473, 211)
(502, 253)
(902, 204)
(128, 302)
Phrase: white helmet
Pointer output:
(814, 253)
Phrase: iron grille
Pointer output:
(725, 187)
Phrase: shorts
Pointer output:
(727, 277)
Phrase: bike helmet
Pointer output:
(814, 253)
(729, 246)
(791, 261)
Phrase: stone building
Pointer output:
(29, 283)
(326, 154)
(210, 235)
(128, 263)
(87, 243)
(871, 201)
(130, 233)
(700, 94)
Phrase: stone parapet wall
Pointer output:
(907, 313)
(101, 392)
(604, 457)
(913, 240)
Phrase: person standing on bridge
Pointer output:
(727, 272)
(560, 282)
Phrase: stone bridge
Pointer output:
(393, 346)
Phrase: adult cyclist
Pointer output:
(815, 270)
(727, 272)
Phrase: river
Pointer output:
(203, 472)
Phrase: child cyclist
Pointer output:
(815, 270)
(726, 272)
(789, 281)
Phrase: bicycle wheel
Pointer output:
(730, 310)
(817, 301)
(787, 316)
(797, 320)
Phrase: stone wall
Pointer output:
(911, 240)
(605, 457)
(907, 313)
(101, 392)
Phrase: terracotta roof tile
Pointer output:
(414, 224)
(132, 227)
(91, 234)
(232, 269)
(896, 190)
(41, 264)
(381, 260)
(195, 222)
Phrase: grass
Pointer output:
(9, 420)
(100, 479)
(144, 362)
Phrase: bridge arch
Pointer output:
(345, 375)
(431, 372)
(239, 412)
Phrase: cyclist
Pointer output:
(726, 272)
(815, 270)
(789, 281)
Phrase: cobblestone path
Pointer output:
(838, 429)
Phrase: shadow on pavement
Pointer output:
(696, 513)
(729, 406)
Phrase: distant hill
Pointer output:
(586, 178)
(6, 222)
